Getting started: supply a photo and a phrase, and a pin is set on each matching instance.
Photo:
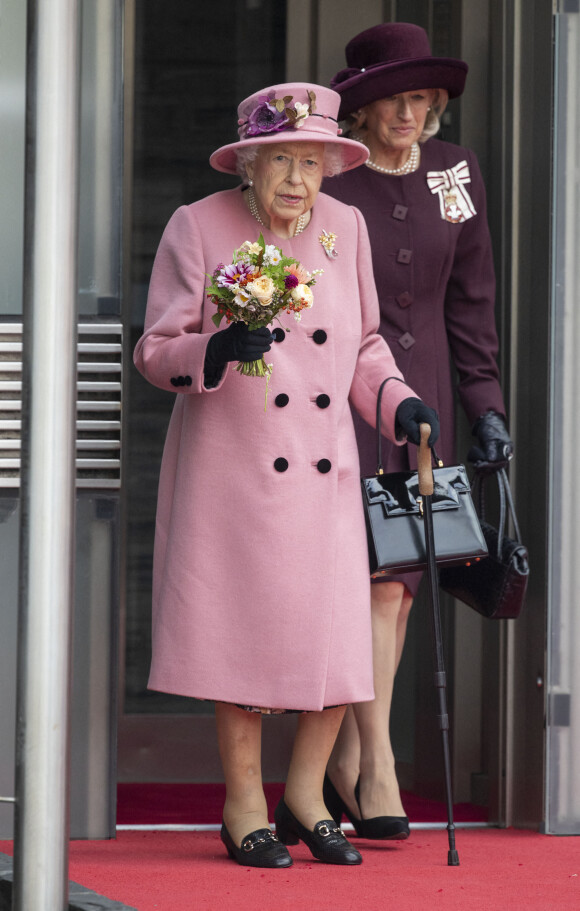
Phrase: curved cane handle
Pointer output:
(424, 462)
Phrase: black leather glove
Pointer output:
(412, 412)
(236, 343)
(495, 445)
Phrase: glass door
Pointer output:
(185, 74)
(190, 68)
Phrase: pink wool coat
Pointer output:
(261, 590)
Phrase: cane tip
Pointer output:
(452, 858)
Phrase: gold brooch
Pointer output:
(328, 240)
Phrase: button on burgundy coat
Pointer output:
(261, 590)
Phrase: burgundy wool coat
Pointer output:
(436, 288)
(261, 590)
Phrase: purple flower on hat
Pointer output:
(266, 118)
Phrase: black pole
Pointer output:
(439, 675)
(426, 490)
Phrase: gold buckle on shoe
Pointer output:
(249, 845)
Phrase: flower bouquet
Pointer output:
(258, 284)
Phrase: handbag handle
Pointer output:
(508, 493)
(505, 497)
(378, 422)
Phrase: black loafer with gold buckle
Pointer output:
(327, 842)
(259, 849)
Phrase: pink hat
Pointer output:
(392, 58)
(291, 112)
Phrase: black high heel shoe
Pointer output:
(259, 849)
(382, 827)
(379, 828)
(333, 801)
(327, 842)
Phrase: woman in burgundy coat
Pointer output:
(261, 598)
(424, 204)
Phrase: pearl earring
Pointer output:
(250, 182)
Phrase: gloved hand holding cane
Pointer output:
(410, 414)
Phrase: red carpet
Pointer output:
(201, 804)
(186, 871)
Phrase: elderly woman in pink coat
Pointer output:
(261, 592)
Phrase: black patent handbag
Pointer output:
(496, 587)
(394, 517)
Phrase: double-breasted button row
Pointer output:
(319, 336)
(322, 400)
(180, 381)
(323, 465)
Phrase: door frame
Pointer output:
(184, 746)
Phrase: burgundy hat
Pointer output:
(391, 58)
(291, 112)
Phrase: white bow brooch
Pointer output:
(454, 201)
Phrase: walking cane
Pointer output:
(426, 490)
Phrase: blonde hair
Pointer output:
(433, 119)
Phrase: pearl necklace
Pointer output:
(253, 206)
(410, 164)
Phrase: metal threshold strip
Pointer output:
(346, 827)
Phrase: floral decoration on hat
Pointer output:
(275, 114)
(291, 112)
